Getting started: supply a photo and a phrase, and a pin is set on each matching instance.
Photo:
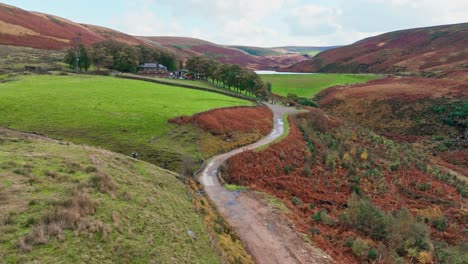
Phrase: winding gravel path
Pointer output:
(267, 235)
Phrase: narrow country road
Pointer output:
(267, 235)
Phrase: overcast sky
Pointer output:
(257, 22)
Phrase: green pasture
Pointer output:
(117, 114)
(308, 85)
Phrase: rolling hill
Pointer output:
(23, 28)
(431, 49)
(19, 27)
(251, 57)
(307, 51)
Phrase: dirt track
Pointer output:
(267, 235)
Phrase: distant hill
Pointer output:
(431, 49)
(307, 51)
(252, 57)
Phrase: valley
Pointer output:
(141, 145)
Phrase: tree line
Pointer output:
(230, 76)
(119, 56)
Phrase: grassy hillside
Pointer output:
(120, 115)
(432, 49)
(307, 85)
(64, 203)
(15, 58)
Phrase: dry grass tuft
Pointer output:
(52, 174)
(126, 196)
(104, 183)
(71, 214)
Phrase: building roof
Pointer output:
(149, 65)
(152, 65)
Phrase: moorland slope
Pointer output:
(431, 49)
(23, 28)
(252, 57)
(359, 196)
(19, 27)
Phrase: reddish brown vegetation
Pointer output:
(228, 120)
(188, 47)
(320, 176)
(434, 49)
(400, 108)
(50, 32)
(457, 157)
(22, 28)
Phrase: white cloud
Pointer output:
(313, 20)
(285, 22)
(133, 24)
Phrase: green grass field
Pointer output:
(308, 85)
(116, 114)
(77, 204)
(311, 53)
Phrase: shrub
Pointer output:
(306, 102)
(288, 169)
(441, 148)
(406, 233)
(424, 257)
(295, 201)
(322, 217)
(440, 224)
(315, 231)
(363, 216)
(372, 254)
(424, 186)
(395, 166)
(330, 162)
(317, 216)
(306, 171)
(445, 253)
(311, 205)
(349, 242)
(360, 247)
(364, 155)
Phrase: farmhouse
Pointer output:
(151, 68)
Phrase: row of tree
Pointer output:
(230, 76)
(119, 56)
